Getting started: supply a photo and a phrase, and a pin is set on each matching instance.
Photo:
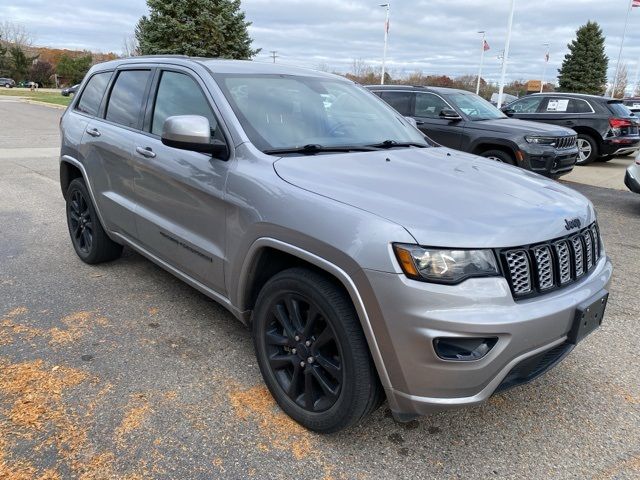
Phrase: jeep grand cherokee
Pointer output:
(367, 262)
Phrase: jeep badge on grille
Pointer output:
(573, 223)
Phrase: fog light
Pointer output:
(463, 349)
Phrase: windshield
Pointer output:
(290, 112)
(475, 107)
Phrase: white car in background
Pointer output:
(632, 177)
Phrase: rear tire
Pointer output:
(88, 238)
(587, 149)
(499, 156)
(312, 352)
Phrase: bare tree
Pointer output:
(622, 81)
(15, 34)
(130, 46)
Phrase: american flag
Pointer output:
(487, 47)
(635, 3)
(546, 57)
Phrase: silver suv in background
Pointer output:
(368, 263)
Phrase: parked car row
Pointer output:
(586, 127)
(464, 121)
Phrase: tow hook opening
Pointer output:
(460, 349)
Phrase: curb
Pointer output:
(36, 102)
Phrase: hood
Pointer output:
(444, 198)
(516, 126)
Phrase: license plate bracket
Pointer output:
(588, 317)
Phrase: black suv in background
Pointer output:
(7, 82)
(605, 127)
(464, 121)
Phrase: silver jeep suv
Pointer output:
(368, 261)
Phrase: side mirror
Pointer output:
(449, 114)
(508, 111)
(192, 132)
(412, 121)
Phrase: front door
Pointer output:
(447, 133)
(182, 211)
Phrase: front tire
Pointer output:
(499, 156)
(312, 352)
(587, 149)
(88, 238)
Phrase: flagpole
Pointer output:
(386, 40)
(624, 34)
(635, 80)
(505, 55)
(481, 61)
(544, 69)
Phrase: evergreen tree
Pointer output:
(199, 28)
(584, 69)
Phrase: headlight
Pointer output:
(445, 266)
(541, 140)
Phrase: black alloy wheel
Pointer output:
(312, 352)
(89, 239)
(303, 352)
(80, 222)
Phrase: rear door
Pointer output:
(108, 143)
(427, 114)
(182, 209)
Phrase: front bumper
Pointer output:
(415, 313)
(549, 161)
(632, 178)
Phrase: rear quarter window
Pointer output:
(619, 109)
(92, 94)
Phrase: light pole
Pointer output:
(505, 57)
(624, 34)
(544, 69)
(386, 40)
(482, 49)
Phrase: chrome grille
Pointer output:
(544, 263)
(563, 143)
(540, 268)
(564, 262)
(589, 248)
(578, 255)
(596, 241)
(520, 271)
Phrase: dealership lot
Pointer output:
(121, 370)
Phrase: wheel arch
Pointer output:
(592, 133)
(268, 256)
(68, 173)
(495, 144)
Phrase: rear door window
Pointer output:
(577, 105)
(401, 101)
(92, 94)
(127, 97)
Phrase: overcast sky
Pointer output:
(432, 36)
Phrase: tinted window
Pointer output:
(179, 94)
(92, 95)
(619, 109)
(429, 105)
(127, 97)
(526, 105)
(401, 101)
(578, 106)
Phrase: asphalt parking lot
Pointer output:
(122, 371)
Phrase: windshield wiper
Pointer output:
(395, 144)
(313, 148)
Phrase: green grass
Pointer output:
(47, 97)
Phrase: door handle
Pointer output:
(420, 122)
(94, 132)
(146, 152)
